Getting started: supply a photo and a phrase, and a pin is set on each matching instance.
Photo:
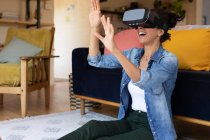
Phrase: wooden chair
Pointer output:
(31, 67)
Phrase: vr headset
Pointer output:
(144, 18)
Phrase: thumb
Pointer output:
(98, 36)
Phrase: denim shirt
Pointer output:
(158, 82)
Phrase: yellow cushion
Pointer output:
(10, 74)
(38, 37)
(192, 47)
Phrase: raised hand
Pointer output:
(108, 39)
(95, 14)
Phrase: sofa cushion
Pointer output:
(190, 27)
(192, 47)
(17, 48)
(126, 39)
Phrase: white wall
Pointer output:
(72, 31)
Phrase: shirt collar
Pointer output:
(158, 54)
(155, 57)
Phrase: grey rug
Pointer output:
(46, 127)
(49, 127)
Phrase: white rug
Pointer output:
(46, 127)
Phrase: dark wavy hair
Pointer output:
(166, 20)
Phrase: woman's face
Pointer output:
(149, 35)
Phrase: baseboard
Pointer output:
(98, 100)
(193, 120)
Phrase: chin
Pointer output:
(142, 41)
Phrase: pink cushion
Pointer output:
(126, 39)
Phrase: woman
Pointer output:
(148, 79)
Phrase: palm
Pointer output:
(95, 18)
(95, 14)
(107, 40)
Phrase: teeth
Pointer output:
(142, 33)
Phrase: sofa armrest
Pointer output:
(79, 60)
(79, 66)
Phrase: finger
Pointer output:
(112, 30)
(98, 5)
(98, 36)
(103, 21)
(91, 5)
(108, 21)
(109, 25)
(94, 4)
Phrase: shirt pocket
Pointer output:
(157, 89)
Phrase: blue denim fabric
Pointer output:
(158, 82)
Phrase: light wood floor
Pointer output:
(59, 102)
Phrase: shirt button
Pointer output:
(150, 120)
(123, 84)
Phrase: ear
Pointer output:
(160, 32)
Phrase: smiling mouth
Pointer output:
(142, 33)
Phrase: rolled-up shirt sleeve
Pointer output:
(103, 61)
(93, 60)
(145, 76)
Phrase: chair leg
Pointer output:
(23, 100)
(82, 106)
(47, 96)
(1, 99)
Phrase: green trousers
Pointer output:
(133, 127)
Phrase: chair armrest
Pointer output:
(36, 57)
(35, 67)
